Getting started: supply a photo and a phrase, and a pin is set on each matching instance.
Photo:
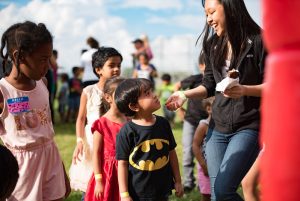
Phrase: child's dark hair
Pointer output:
(8, 172)
(75, 69)
(129, 91)
(64, 77)
(92, 42)
(166, 77)
(25, 38)
(55, 53)
(102, 55)
(109, 88)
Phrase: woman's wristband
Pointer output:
(124, 194)
(181, 95)
(98, 176)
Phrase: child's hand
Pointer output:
(178, 189)
(98, 189)
(78, 151)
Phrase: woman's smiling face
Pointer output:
(215, 16)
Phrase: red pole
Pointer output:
(280, 176)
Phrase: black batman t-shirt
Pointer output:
(146, 148)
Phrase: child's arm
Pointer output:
(197, 145)
(123, 179)
(80, 124)
(97, 148)
(176, 173)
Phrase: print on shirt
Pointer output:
(24, 116)
(150, 155)
(18, 105)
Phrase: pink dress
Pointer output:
(109, 131)
(26, 129)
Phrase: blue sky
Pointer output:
(171, 25)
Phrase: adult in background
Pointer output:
(89, 77)
(141, 46)
(231, 40)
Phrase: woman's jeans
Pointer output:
(229, 157)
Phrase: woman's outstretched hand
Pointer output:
(176, 100)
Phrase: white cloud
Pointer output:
(191, 22)
(153, 4)
(71, 22)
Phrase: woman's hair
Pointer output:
(201, 58)
(239, 26)
(24, 37)
(129, 91)
(8, 172)
(109, 88)
(102, 55)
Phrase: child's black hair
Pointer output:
(129, 91)
(92, 42)
(166, 77)
(8, 172)
(109, 88)
(102, 55)
(64, 77)
(24, 37)
(55, 53)
(75, 69)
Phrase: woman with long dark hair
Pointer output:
(231, 40)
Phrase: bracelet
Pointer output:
(98, 176)
(124, 194)
(79, 139)
(181, 95)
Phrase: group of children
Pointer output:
(128, 153)
(144, 148)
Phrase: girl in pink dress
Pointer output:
(25, 120)
(103, 184)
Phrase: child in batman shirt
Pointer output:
(147, 161)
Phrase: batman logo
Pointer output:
(150, 155)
